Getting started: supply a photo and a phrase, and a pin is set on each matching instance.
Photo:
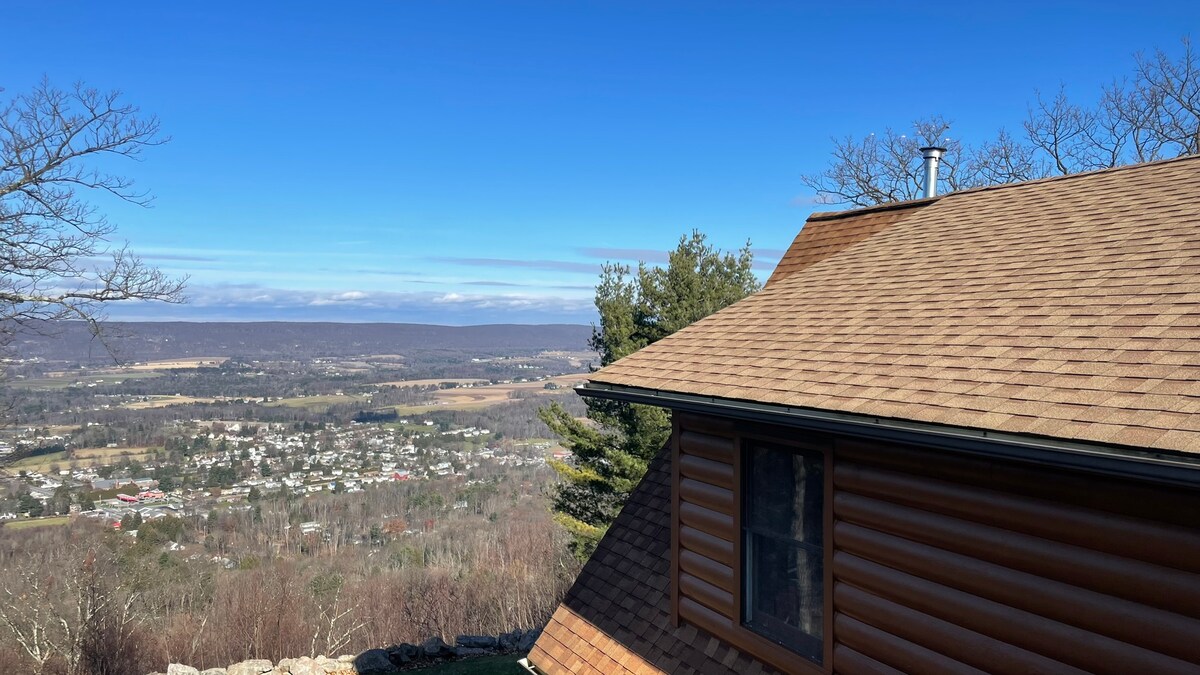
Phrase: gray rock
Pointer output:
(214, 671)
(476, 641)
(374, 662)
(509, 641)
(180, 669)
(467, 652)
(527, 640)
(435, 647)
(251, 667)
(305, 666)
(403, 653)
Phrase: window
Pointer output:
(783, 547)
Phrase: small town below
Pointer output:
(372, 498)
(600, 338)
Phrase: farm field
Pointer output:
(166, 401)
(177, 364)
(36, 522)
(318, 402)
(576, 359)
(83, 457)
(485, 396)
(67, 379)
(432, 382)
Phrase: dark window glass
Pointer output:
(783, 535)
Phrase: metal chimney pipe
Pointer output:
(932, 156)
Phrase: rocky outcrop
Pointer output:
(394, 659)
(435, 648)
(343, 665)
(251, 667)
(374, 662)
(476, 641)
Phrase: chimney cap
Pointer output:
(934, 151)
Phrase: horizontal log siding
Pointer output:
(947, 563)
(705, 587)
(704, 523)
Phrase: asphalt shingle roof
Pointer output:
(616, 619)
(1066, 307)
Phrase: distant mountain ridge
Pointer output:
(145, 341)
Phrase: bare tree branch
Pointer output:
(1154, 115)
(56, 260)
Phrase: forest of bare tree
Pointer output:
(283, 578)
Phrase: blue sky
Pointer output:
(475, 162)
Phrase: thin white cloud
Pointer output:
(204, 296)
(551, 265)
(633, 254)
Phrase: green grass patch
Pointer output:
(410, 410)
(46, 383)
(80, 380)
(485, 665)
(39, 462)
(36, 522)
(83, 457)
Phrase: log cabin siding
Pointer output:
(1004, 567)
(706, 586)
(703, 567)
(944, 562)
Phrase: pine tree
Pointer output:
(613, 448)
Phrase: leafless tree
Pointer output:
(59, 616)
(337, 625)
(1154, 114)
(56, 257)
(887, 168)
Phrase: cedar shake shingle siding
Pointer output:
(1065, 308)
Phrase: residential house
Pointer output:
(952, 435)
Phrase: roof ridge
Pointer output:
(1070, 176)
(1069, 312)
(913, 203)
(874, 208)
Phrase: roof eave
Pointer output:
(1158, 466)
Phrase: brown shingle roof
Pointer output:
(616, 619)
(828, 234)
(1067, 307)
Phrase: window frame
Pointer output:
(746, 531)
(741, 434)
(745, 638)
